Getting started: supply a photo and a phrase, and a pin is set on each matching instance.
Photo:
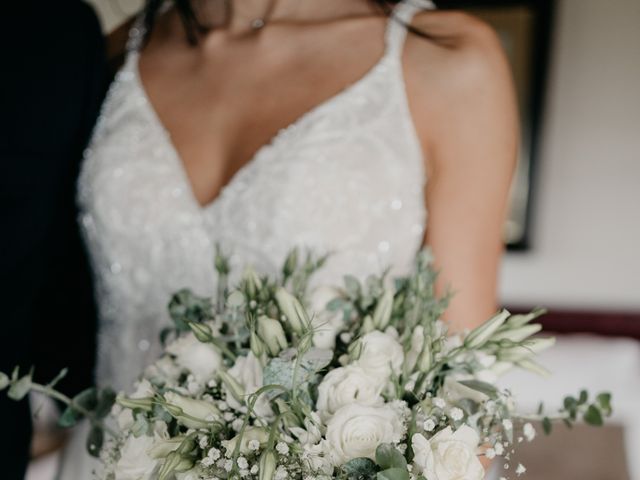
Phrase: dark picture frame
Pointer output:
(524, 27)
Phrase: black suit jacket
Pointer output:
(52, 83)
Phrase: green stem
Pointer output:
(49, 392)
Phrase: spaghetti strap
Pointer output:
(400, 17)
(136, 34)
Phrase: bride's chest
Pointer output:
(344, 177)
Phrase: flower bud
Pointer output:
(257, 347)
(425, 359)
(526, 350)
(236, 389)
(190, 412)
(382, 313)
(290, 263)
(145, 403)
(162, 448)
(252, 282)
(288, 417)
(268, 463)
(480, 335)
(250, 433)
(367, 325)
(174, 463)
(236, 299)
(293, 310)
(272, 333)
(518, 334)
(202, 331)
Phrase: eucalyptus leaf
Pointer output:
(593, 416)
(359, 468)
(352, 285)
(95, 440)
(547, 426)
(141, 426)
(20, 388)
(336, 304)
(87, 399)
(388, 456)
(69, 418)
(4, 381)
(604, 401)
(106, 399)
(393, 474)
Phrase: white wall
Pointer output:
(586, 229)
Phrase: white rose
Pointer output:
(356, 431)
(380, 354)
(448, 455)
(197, 413)
(347, 385)
(135, 463)
(201, 359)
(326, 325)
(247, 371)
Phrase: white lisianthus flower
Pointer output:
(356, 431)
(135, 462)
(448, 455)
(347, 385)
(316, 460)
(196, 413)
(250, 434)
(247, 371)
(326, 325)
(311, 433)
(454, 391)
(380, 354)
(201, 359)
(163, 447)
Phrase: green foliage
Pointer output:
(20, 388)
(186, 307)
(359, 469)
(388, 456)
(483, 387)
(95, 439)
(393, 474)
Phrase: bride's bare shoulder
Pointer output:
(459, 76)
(460, 50)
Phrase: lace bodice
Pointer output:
(347, 177)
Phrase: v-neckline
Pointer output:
(263, 149)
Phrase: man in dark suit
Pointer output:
(52, 83)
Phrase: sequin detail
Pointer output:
(345, 178)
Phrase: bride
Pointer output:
(261, 125)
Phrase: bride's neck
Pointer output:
(241, 14)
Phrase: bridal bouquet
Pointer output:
(270, 381)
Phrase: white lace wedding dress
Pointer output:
(347, 177)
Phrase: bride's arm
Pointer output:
(463, 102)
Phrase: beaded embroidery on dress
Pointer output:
(347, 177)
